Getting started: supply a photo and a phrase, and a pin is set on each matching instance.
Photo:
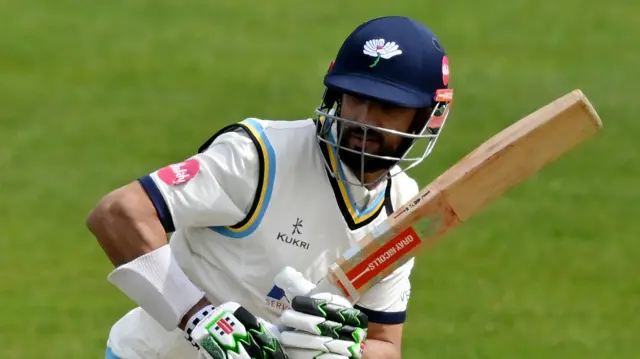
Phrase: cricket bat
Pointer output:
(486, 173)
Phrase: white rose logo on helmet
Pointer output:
(381, 50)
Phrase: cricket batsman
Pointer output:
(263, 209)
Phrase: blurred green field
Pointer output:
(95, 93)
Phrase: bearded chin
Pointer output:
(354, 161)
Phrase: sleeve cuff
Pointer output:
(158, 202)
(378, 317)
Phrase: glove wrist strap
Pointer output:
(194, 321)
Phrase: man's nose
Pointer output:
(366, 113)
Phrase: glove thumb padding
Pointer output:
(293, 283)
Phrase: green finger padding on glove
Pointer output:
(333, 312)
(263, 344)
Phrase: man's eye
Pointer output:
(389, 106)
(357, 100)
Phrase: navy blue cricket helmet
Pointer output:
(394, 60)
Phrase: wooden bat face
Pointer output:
(494, 167)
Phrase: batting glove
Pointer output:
(319, 326)
(230, 331)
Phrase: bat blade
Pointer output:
(486, 173)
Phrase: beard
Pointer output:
(357, 162)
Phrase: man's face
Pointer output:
(372, 113)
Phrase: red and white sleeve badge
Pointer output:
(179, 173)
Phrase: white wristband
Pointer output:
(195, 320)
(158, 285)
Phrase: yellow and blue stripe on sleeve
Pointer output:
(267, 170)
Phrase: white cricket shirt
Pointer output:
(256, 198)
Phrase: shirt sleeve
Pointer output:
(213, 188)
(387, 301)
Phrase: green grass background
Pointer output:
(96, 93)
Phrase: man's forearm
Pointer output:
(126, 226)
(378, 349)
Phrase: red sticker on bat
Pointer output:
(179, 173)
(343, 289)
(384, 257)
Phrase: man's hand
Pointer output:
(323, 325)
(229, 331)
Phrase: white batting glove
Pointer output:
(229, 331)
(319, 326)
